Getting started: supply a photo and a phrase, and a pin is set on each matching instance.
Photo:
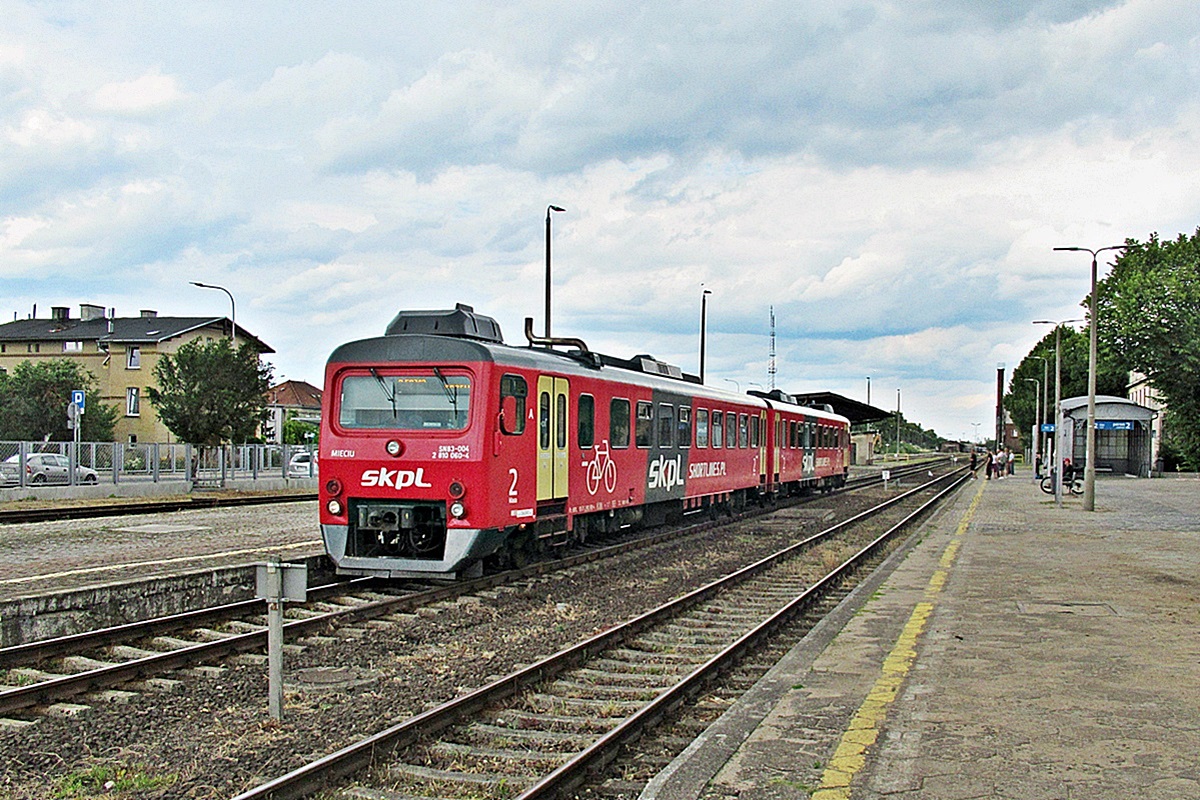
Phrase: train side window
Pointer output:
(743, 430)
(779, 426)
(644, 430)
(718, 429)
(513, 391)
(684, 438)
(544, 420)
(666, 425)
(808, 435)
(586, 416)
(730, 429)
(791, 438)
(754, 431)
(702, 427)
(618, 422)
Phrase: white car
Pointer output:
(43, 468)
(302, 465)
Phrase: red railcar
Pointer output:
(443, 448)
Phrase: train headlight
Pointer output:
(457, 490)
(457, 509)
(394, 448)
(334, 507)
(333, 486)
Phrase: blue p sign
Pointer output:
(78, 399)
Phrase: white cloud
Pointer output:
(890, 178)
(142, 94)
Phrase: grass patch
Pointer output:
(104, 781)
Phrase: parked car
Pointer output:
(43, 468)
(303, 465)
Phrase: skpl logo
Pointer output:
(666, 473)
(398, 478)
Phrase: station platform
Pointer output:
(1013, 649)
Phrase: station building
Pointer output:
(120, 352)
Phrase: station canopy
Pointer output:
(852, 410)
(1108, 409)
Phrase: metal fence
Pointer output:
(33, 464)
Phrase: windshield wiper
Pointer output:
(390, 394)
(451, 394)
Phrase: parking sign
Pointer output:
(78, 399)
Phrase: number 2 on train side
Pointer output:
(512, 490)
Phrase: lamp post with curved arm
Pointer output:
(232, 308)
(1089, 469)
(548, 210)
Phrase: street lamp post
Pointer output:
(1045, 399)
(703, 329)
(232, 308)
(737, 386)
(1037, 423)
(1089, 469)
(1058, 438)
(548, 210)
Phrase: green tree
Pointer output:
(207, 393)
(1149, 313)
(299, 432)
(34, 397)
(1020, 402)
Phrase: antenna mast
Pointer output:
(771, 360)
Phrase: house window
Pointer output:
(72, 347)
(133, 357)
(133, 401)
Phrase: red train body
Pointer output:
(443, 448)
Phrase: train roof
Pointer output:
(462, 335)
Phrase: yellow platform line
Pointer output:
(851, 753)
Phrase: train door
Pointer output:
(761, 432)
(552, 438)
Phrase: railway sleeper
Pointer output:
(599, 677)
(645, 658)
(607, 691)
(543, 739)
(466, 756)
(690, 636)
(529, 719)
(610, 664)
(599, 706)
(427, 775)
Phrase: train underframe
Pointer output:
(394, 539)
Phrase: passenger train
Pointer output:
(445, 450)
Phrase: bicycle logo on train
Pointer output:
(601, 469)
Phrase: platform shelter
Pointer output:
(1124, 434)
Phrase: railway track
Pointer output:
(548, 729)
(40, 674)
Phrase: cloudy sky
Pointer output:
(890, 177)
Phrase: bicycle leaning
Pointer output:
(1073, 481)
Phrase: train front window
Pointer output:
(411, 402)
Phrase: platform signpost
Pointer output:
(276, 583)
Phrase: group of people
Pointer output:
(999, 463)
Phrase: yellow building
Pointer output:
(121, 352)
